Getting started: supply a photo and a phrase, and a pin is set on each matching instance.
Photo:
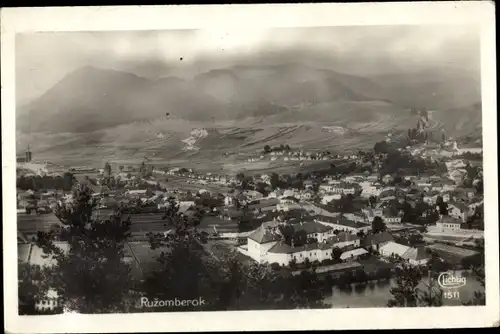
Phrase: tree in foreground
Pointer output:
(185, 269)
(479, 295)
(89, 275)
(32, 288)
(410, 290)
(189, 269)
(404, 292)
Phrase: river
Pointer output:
(377, 294)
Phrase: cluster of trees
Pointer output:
(419, 213)
(284, 181)
(410, 290)
(378, 225)
(64, 182)
(343, 205)
(471, 156)
(476, 220)
(287, 181)
(473, 173)
(412, 240)
(415, 135)
(479, 297)
(145, 170)
(398, 162)
(209, 201)
(405, 291)
(293, 237)
(281, 148)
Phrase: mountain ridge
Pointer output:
(92, 98)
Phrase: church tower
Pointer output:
(28, 154)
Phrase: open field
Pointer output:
(222, 143)
(141, 223)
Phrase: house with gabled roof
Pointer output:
(392, 248)
(259, 242)
(345, 239)
(416, 256)
(458, 210)
(316, 230)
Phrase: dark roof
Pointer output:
(340, 221)
(343, 236)
(263, 235)
(461, 206)
(350, 223)
(263, 203)
(313, 227)
(282, 247)
(232, 213)
(327, 219)
(450, 220)
(375, 239)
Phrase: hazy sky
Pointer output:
(42, 59)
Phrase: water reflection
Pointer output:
(377, 294)
(360, 288)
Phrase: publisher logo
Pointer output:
(449, 280)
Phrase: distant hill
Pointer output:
(92, 99)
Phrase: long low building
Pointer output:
(415, 256)
(343, 224)
(451, 253)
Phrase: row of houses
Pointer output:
(189, 173)
(266, 245)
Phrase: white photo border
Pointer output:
(481, 13)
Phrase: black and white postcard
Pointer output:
(320, 166)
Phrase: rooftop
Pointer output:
(339, 221)
(395, 248)
(314, 227)
(343, 237)
(416, 254)
(262, 235)
(453, 250)
(460, 206)
(334, 267)
(375, 239)
(354, 252)
(450, 220)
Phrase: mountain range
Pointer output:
(91, 99)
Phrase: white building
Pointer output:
(353, 254)
(371, 190)
(228, 200)
(260, 242)
(345, 239)
(393, 249)
(458, 175)
(265, 245)
(416, 256)
(448, 224)
(316, 230)
(328, 198)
